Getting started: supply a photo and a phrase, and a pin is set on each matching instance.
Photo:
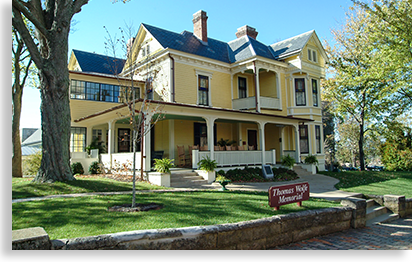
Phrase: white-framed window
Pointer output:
(312, 55)
(77, 139)
(315, 92)
(300, 92)
(242, 85)
(318, 139)
(203, 87)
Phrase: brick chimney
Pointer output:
(246, 30)
(200, 25)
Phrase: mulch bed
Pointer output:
(138, 207)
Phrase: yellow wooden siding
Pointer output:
(161, 137)
(267, 84)
(185, 84)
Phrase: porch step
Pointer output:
(300, 171)
(186, 180)
(376, 213)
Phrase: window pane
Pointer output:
(314, 56)
(203, 90)
(304, 139)
(315, 92)
(242, 87)
(310, 54)
(106, 93)
(300, 92)
(78, 139)
(92, 91)
(318, 141)
(77, 89)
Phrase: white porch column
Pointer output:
(297, 143)
(261, 126)
(89, 135)
(210, 121)
(257, 88)
(278, 89)
(110, 140)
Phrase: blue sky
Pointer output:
(274, 20)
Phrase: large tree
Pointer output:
(358, 88)
(21, 70)
(51, 19)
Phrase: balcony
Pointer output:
(250, 103)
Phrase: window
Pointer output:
(77, 89)
(315, 92)
(149, 88)
(318, 141)
(300, 93)
(203, 90)
(242, 87)
(94, 91)
(304, 139)
(77, 139)
(312, 56)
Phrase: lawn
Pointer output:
(374, 183)
(23, 188)
(88, 216)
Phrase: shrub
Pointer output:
(283, 174)
(246, 175)
(32, 164)
(77, 168)
(94, 168)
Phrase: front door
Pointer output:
(252, 138)
(123, 144)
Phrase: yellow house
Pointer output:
(265, 99)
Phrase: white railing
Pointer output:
(235, 158)
(250, 102)
(120, 160)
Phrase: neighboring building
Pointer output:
(31, 143)
(264, 97)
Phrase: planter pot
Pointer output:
(223, 184)
(209, 176)
(160, 179)
(310, 168)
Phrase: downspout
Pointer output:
(173, 77)
(254, 79)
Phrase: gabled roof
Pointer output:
(95, 63)
(34, 139)
(291, 46)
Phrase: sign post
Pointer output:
(287, 194)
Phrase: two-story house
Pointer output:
(264, 98)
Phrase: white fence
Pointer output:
(235, 158)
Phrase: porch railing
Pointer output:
(235, 158)
(250, 102)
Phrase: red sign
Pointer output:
(287, 194)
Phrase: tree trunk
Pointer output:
(361, 152)
(55, 109)
(16, 162)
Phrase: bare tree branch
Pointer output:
(33, 12)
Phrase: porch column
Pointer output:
(261, 126)
(110, 140)
(257, 88)
(210, 121)
(89, 135)
(297, 144)
(278, 89)
(172, 139)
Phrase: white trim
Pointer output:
(209, 76)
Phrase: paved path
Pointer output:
(321, 186)
(395, 235)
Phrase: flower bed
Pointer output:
(250, 174)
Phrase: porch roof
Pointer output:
(245, 115)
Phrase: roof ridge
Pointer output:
(290, 38)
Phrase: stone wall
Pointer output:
(256, 234)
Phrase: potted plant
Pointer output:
(311, 162)
(207, 169)
(223, 181)
(162, 175)
(288, 161)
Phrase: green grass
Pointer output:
(374, 183)
(88, 216)
(23, 188)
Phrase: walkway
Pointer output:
(395, 235)
(320, 186)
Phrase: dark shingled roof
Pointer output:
(95, 63)
(234, 51)
(291, 46)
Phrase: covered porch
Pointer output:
(255, 139)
